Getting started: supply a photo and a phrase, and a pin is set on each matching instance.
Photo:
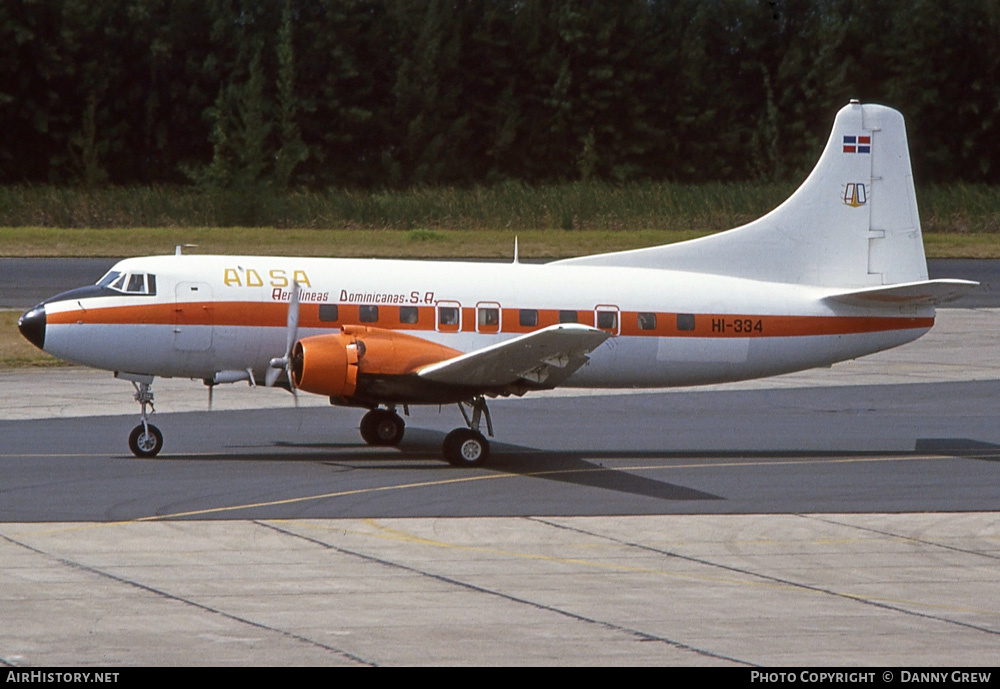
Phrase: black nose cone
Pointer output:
(32, 326)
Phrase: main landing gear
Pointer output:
(382, 427)
(463, 447)
(466, 447)
(145, 440)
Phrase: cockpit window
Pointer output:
(141, 283)
(136, 283)
(110, 277)
(129, 283)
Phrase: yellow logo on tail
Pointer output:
(855, 194)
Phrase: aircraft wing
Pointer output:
(925, 293)
(544, 358)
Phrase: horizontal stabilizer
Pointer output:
(543, 358)
(925, 293)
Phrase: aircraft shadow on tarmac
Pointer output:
(959, 447)
(574, 468)
(421, 452)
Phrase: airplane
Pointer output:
(835, 272)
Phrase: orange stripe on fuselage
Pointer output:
(257, 314)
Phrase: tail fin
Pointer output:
(852, 223)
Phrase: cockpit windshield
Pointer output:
(129, 283)
(108, 278)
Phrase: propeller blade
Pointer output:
(272, 373)
(292, 327)
(293, 335)
(284, 363)
(291, 378)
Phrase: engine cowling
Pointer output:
(330, 364)
(326, 365)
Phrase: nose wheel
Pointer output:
(145, 440)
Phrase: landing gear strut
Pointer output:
(466, 447)
(145, 440)
(382, 427)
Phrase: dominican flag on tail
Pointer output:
(857, 144)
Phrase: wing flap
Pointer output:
(544, 358)
(924, 293)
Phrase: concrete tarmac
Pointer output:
(739, 590)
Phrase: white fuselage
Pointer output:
(216, 314)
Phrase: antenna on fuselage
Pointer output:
(515, 248)
(179, 247)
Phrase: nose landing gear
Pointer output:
(145, 440)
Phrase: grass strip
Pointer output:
(15, 351)
(418, 243)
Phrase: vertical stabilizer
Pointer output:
(852, 223)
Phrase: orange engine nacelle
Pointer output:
(330, 364)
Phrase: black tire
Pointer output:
(143, 444)
(382, 428)
(464, 447)
(367, 427)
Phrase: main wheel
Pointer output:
(382, 428)
(464, 447)
(145, 443)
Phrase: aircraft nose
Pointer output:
(32, 326)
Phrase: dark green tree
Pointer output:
(291, 150)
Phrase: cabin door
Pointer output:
(194, 314)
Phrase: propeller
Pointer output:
(284, 363)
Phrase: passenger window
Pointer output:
(489, 317)
(527, 317)
(329, 313)
(569, 317)
(408, 314)
(447, 315)
(607, 320)
(368, 314)
(685, 321)
(647, 321)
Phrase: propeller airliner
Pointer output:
(834, 273)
